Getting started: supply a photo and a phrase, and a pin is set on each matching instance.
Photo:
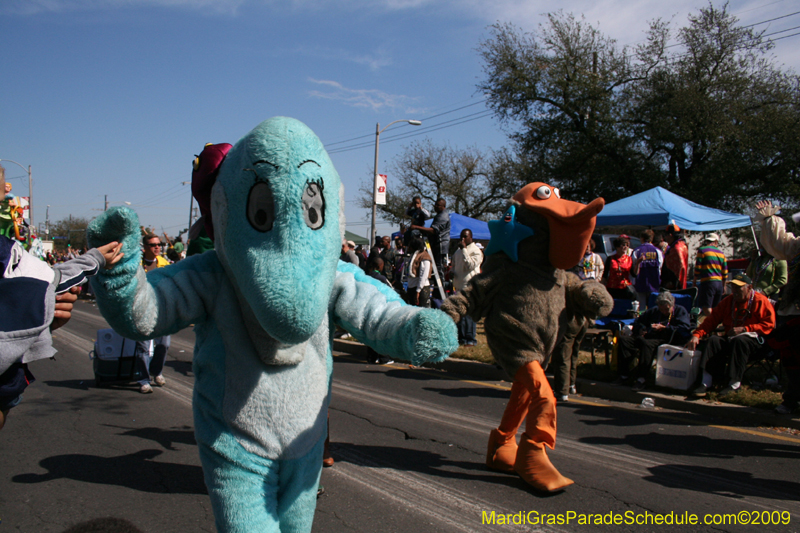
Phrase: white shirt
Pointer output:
(466, 265)
(422, 279)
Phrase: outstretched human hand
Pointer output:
(112, 253)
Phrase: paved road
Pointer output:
(409, 447)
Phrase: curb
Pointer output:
(607, 391)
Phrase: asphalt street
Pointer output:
(409, 446)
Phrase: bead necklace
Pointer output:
(760, 270)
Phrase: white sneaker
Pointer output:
(146, 389)
(159, 381)
(564, 398)
(573, 390)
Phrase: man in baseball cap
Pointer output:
(746, 316)
(711, 271)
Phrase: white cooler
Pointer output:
(110, 345)
(676, 367)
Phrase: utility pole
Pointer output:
(191, 203)
(105, 207)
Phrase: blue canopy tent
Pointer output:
(458, 223)
(659, 207)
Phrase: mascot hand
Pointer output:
(595, 300)
(765, 209)
(430, 336)
(119, 224)
(451, 309)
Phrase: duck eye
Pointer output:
(261, 207)
(557, 192)
(314, 206)
(543, 192)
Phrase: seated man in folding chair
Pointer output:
(666, 323)
(746, 316)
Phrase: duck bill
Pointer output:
(571, 225)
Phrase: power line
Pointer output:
(780, 31)
(785, 36)
(770, 20)
(434, 127)
(424, 118)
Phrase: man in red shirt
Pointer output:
(746, 316)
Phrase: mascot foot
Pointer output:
(533, 465)
(502, 452)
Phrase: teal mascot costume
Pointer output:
(265, 304)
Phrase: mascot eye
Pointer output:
(314, 206)
(261, 207)
(557, 192)
(543, 192)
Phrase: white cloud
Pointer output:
(367, 98)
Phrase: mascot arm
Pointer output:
(140, 306)
(375, 315)
(475, 298)
(587, 298)
(778, 242)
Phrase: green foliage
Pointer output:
(712, 120)
(474, 183)
(74, 229)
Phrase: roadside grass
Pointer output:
(752, 394)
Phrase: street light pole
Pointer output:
(378, 132)
(191, 203)
(30, 188)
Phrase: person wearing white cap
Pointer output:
(349, 253)
(712, 270)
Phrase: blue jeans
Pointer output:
(153, 366)
(466, 330)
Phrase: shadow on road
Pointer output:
(471, 392)
(699, 446)
(77, 384)
(181, 367)
(167, 438)
(729, 483)
(136, 471)
(602, 415)
(427, 463)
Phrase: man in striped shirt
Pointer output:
(711, 269)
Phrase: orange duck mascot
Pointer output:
(526, 299)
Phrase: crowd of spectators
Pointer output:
(738, 315)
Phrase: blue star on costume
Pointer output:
(507, 234)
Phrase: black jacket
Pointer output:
(677, 332)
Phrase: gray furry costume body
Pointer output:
(527, 305)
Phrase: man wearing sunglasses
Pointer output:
(155, 350)
(152, 258)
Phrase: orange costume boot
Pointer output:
(502, 452)
(531, 396)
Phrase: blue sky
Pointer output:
(114, 97)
